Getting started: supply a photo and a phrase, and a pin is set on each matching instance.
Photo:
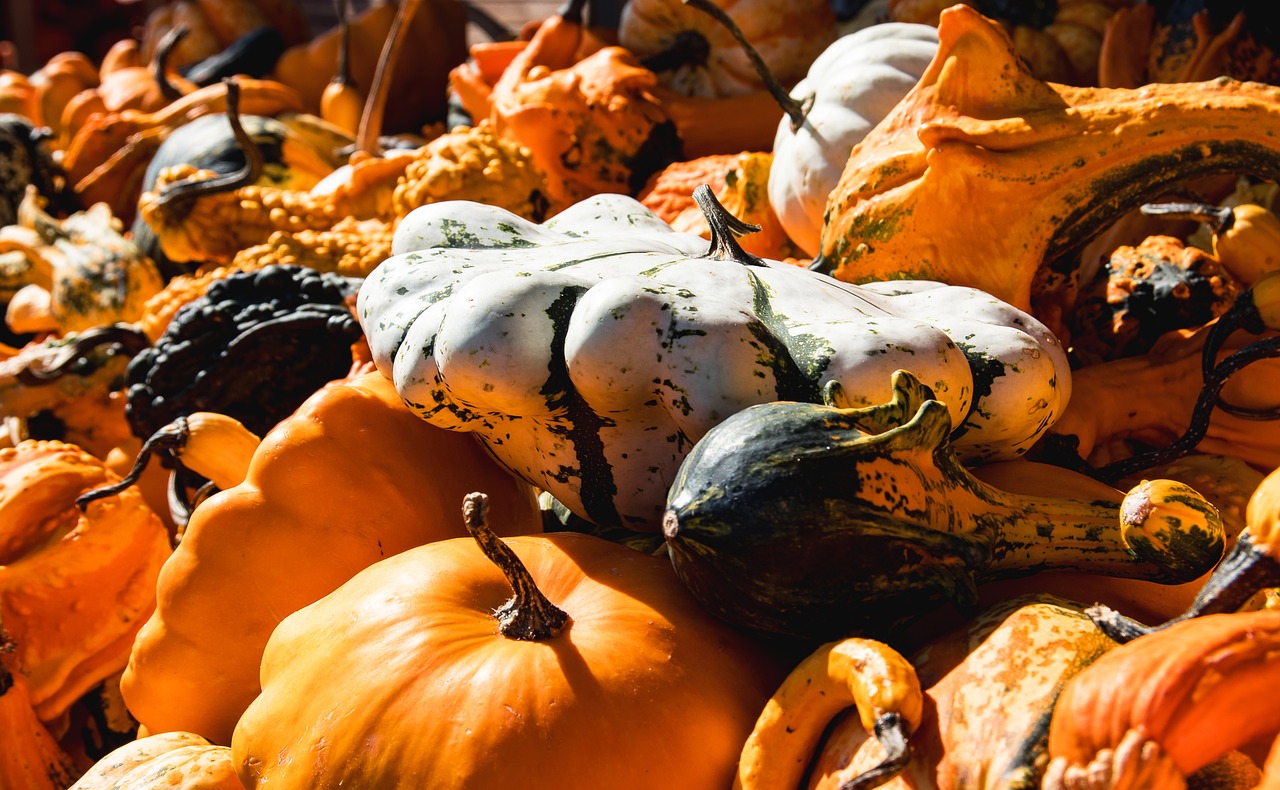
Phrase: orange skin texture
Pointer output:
(1198, 689)
(351, 478)
(74, 587)
(402, 679)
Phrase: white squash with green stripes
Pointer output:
(590, 352)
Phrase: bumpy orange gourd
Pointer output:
(988, 685)
(601, 671)
(167, 761)
(352, 477)
(741, 184)
(1170, 702)
(31, 758)
(1045, 167)
(74, 586)
(1060, 40)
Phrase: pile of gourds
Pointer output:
(748, 395)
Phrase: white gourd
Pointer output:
(854, 84)
(589, 353)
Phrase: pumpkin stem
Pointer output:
(125, 337)
(573, 11)
(160, 62)
(529, 615)
(797, 111)
(891, 732)
(1218, 218)
(253, 161)
(379, 92)
(342, 74)
(167, 441)
(725, 228)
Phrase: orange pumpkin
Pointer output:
(31, 758)
(352, 477)
(695, 55)
(214, 24)
(74, 586)
(424, 670)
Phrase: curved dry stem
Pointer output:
(160, 62)
(725, 228)
(245, 176)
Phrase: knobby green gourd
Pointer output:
(814, 521)
(590, 353)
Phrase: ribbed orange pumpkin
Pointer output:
(424, 671)
(350, 478)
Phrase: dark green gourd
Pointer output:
(813, 521)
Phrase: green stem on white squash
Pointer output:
(797, 111)
(725, 228)
(529, 615)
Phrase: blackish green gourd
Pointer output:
(812, 521)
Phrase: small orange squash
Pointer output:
(74, 586)
(352, 477)
(31, 758)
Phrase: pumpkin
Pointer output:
(620, 342)
(695, 55)
(57, 82)
(416, 80)
(989, 686)
(108, 156)
(850, 87)
(1060, 39)
(390, 482)
(91, 573)
(141, 87)
(26, 158)
(445, 668)
(167, 761)
(1143, 713)
(215, 24)
(1190, 41)
(18, 96)
(1056, 165)
(740, 183)
(31, 758)
(764, 527)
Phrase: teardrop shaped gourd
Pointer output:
(811, 521)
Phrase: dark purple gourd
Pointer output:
(254, 347)
(809, 521)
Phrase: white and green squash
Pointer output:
(590, 353)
